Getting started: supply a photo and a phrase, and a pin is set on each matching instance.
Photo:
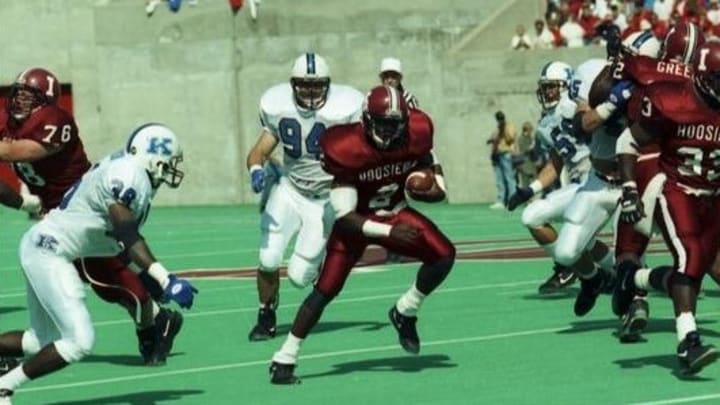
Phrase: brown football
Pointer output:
(421, 180)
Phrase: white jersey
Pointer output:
(555, 131)
(299, 132)
(602, 144)
(80, 226)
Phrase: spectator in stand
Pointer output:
(520, 41)
(503, 146)
(589, 22)
(659, 27)
(713, 13)
(526, 160)
(618, 18)
(543, 39)
(663, 9)
(554, 28)
(572, 32)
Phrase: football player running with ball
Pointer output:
(295, 116)
(99, 216)
(370, 163)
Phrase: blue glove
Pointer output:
(257, 180)
(180, 291)
(174, 5)
(620, 93)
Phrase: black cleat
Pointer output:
(405, 327)
(589, 291)
(265, 328)
(693, 355)
(283, 374)
(168, 324)
(7, 364)
(634, 321)
(625, 289)
(147, 340)
(561, 278)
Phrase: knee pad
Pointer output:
(30, 343)
(531, 217)
(75, 348)
(270, 260)
(566, 254)
(301, 271)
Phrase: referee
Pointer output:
(391, 75)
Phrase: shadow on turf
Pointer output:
(405, 364)
(7, 310)
(365, 326)
(668, 361)
(121, 359)
(138, 398)
(654, 326)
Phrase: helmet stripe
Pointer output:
(310, 58)
(135, 132)
(394, 102)
(640, 40)
(690, 44)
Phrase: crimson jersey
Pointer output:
(688, 132)
(645, 70)
(50, 177)
(378, 175)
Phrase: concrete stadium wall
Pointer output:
(202, 72)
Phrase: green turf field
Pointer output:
(487, 337)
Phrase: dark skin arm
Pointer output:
(9, 197)
(628, 162)
(125, 228)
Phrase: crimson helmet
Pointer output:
(33, 88)
(385, 116)
(681, 43)
(706, 72)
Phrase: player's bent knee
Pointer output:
(73, 350)
(566, 254)
(30, 343)
(270, 261)
(682, 279)
(531, 217)
(301, 271)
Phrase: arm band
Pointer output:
(605, 109)
(343, 200)
(536, 186)
(626, 144)
(160, 274)
(374, 229)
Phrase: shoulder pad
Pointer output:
(566, 108)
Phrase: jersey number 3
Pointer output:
(291, 136)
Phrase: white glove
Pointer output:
(31, 203)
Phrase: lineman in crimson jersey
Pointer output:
(678, 49)
(683, 119)
(42, 141)
(370, 163)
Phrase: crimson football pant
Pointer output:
(114, 282)
(344, 250)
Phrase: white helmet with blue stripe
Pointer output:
(642, 43)
(554, 83)
(155, 148)
(310, 81)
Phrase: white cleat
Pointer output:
(151, 6)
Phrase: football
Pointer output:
(421, 180)
(421, 186)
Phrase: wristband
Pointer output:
(536, 186)
(605, 109)
(374, 229)
(160, 274)
(30, 203)
(630, 184)
(255, 167)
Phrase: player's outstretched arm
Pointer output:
(125, 230)
(25, 150)
(547, 176)
(628, 144)
(11, 198)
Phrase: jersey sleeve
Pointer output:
(644, 110)
(55, 128)
(337, 154)
(125, 184)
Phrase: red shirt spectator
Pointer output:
(588, 21)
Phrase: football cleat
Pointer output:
(265, 328)
(562, 277)
(283, 374)
(693, 355)
(589, 291)
(405, 327)
(147, 340)
(625, 290)
(168, 324)
(634, 321)
(5, 396)
(7, 364)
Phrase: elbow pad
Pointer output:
(343, 200)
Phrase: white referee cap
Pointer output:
(390, 65)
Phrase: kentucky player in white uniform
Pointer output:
(567, 153)
(99, 216)
(597, 200)
(295, 116)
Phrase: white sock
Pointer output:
(14, 379)
(607, 262)
(642, 279)
(288, 353)
(549, 249)
(410, 302)
(685, 323)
